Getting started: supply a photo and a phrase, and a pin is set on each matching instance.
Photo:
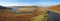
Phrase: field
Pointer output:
(10, 16)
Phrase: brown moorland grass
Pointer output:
(10, 16)
(56, 8)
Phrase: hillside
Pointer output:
(10, 16)
(55, 8)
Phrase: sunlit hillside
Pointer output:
(55, 8)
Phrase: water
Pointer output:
(53, 16)
(14, 9)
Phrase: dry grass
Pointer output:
(10, 16)
(55, 8)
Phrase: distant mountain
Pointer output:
(2, 7)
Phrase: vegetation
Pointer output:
(39, 15)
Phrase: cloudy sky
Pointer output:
(29, 2)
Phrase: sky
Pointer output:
(29, 2)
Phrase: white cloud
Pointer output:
(3, 3)
(27, 4)
(46, 3)
(14, 4)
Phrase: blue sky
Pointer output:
(29, 2)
